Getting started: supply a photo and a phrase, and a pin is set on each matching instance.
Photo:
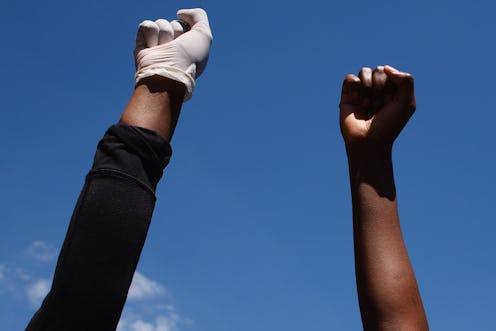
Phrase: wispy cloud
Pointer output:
(22, 275)
(3, 270)
(144, 288)
(17, 281)
(148, 308)
(160, 323)
(41, 251)
(37, 291)
(7, 280)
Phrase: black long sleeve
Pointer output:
(106, 234)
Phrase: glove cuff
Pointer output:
(169, 72)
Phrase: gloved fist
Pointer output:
(177, 50)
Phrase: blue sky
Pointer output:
(252, 229)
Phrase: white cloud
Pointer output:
(22, 275)
(148, 307)
(144, 288)
(42, 251)
(7, 280)
(160, 323)
(37, 291)
(153, 314)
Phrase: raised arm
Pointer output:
(110, 221)
(374, 108)
(169, 57)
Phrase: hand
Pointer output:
(177, 50)
(375, 106)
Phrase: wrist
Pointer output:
(169, 73)
(363, 152)
(371, 165)
(160, 84)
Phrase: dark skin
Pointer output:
(155, 105)
(374, 108)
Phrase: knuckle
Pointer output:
(379, 69)
(408, 79)
(365, 71)
(148, 25)
(351, 79)
(200, 13)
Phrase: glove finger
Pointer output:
(140, 41)
(179, 27)
(197, 18)
(193, 15)
(149, 33)
(165, 33)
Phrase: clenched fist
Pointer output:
(375, 106)
(177, 50)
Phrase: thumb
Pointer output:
(197, 19)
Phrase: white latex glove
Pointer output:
(177, 50)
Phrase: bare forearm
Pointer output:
(155, 105)
(387, 289)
